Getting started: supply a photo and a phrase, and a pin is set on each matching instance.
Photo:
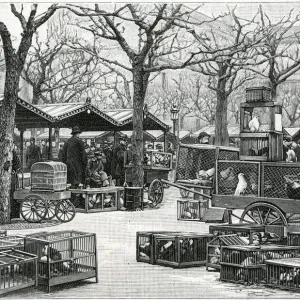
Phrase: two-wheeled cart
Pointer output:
(157, 166)
(47, 197)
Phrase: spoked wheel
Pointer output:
(184, 193)
(156, 192)
(47, 209)
(65, 211)
(263, 213)
(33, 208)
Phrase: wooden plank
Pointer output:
(253, 158)
(234, 202)
(257, 104)
(254, 134)
(242, 119)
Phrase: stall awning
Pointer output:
(292, 131)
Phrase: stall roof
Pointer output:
(292, 131)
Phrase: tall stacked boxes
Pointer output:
(63, 256)
(246, 264)
(18, 270)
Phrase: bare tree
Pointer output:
(157, 27)
(14, 61)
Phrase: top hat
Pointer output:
(75, 129)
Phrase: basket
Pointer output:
(258, 94)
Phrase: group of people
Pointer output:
(291, 149)
(93, 172)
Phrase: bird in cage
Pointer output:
(226, 173)
(291, 156)
(241, 186)
(254, 124)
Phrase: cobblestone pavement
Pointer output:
(120, 276)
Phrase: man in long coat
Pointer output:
(75, 158)
(33, 153)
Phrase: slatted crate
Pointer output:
(283, 274)
(228, 177)
(145, 248)
(18, 270)
(244, 230)
(12, 241)
(191, 210)
(63, 256)
(214, 248)
(193, 158)
(246, 264)
(278, 179)
(293, 238)
(256, 94)
(181, 250)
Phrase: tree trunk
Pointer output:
(7, 115)
(221, 131)
(139, 89)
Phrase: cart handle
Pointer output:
(184, 188)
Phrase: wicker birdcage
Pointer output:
(18, 270)
(246, 264)
(181, 250)
(256, 94)
(48, 176)
(63, 256)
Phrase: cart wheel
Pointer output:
(156, 192)
(184, 193)
(263, 213)
(65, 211)
(47, 209)
(33, 208)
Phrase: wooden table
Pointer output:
(97, 199)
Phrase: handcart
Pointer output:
(47, 197)
(156, 167)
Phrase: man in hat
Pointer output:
(117, 166)
(203, 138)
(33, 154)
(108, 152)
(74, 156)
(96, 177)
(44, 150)
(287, 143)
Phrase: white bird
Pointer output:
(254, 124)
(291, 156)
(241, 186)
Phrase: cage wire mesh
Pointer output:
(192, 210)
(228, 172)
(225, 154)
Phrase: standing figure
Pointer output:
(74, 156)
(203, 137)
(287, 143)
(108, 152)
(44, 151)
(33, 154)
(60, 152)
(117, 167)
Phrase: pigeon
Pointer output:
(225, 174)
(254, 124)
(241, 186)
(291, 156)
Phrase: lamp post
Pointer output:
(174, 117)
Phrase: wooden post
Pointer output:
(50, 144)
(165, 142)
(22, 147)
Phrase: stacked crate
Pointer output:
(12, 242)
(284, 274)
(18, 270)
(181, 250)
(63, 256)
(214, 249)
(246, 264)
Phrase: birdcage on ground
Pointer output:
(181, 250)
(191, 210)
(246, 264)
(12, 241)
(18, 270)
(63, 256)
(214, 248)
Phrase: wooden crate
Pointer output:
(97, 199)
(214, 249)
(12, 242)
(246, 264)
(244, 230)
(257, 94)
(181, 250)
(18, 270)
(283, 274)
(63, 256)
(191, 210)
